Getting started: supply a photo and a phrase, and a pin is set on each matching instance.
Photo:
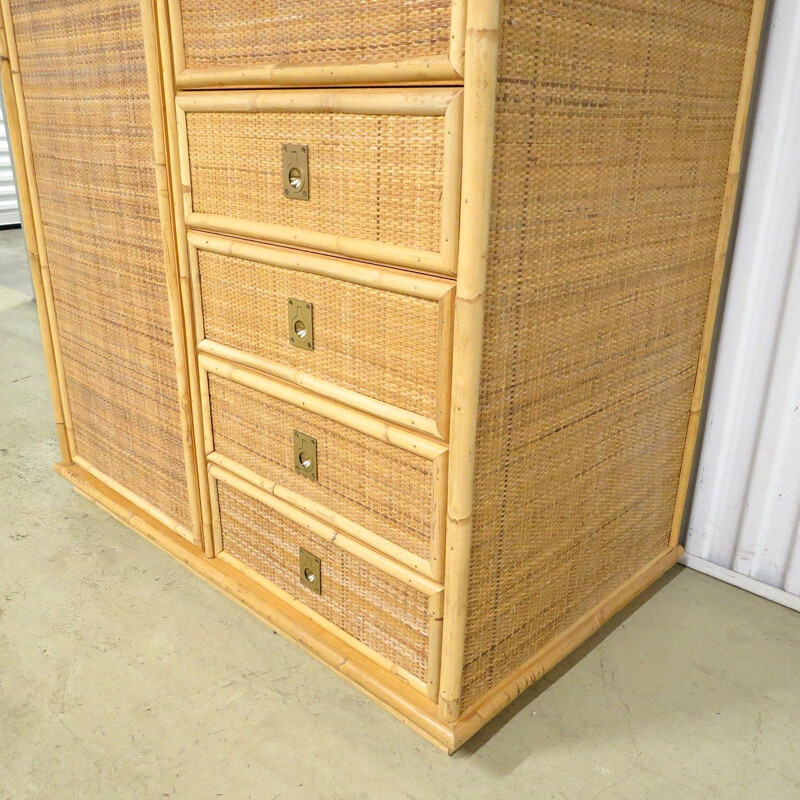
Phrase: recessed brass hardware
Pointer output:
(310, 571)
(305, 455)
(301, 324)
(295, 171)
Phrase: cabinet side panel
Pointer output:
(84, 81)
(613, 134)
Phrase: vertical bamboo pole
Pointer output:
(723, 250)
(34, 233)
(480, 78)
(170, 243)
(186, 288)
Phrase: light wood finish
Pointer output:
(348, 596)
(388, 690)
(394, 359)
(338, 521)
(96, 221)
(722, 256)
(407, 576)
(482, 41)
(561, 646)
(400, 502)
(188, 292)
(440, 62)
(375, 132)
(406, 440)
(568, 228)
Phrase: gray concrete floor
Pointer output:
(124, 676)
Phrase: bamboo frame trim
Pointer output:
(412, 708)
(158, 114)
(412, 70)
(146, 506)
(554, 651)
(433, 590)
(381, 562)
(434, 69)
(438, 454)
(333, 519)
(384, 278)
(416, 102)
(35, 232)
(399, 437)
(31, 241)
(730, 205)
(187, 292)
(385, 663)
(482, 46)
(331, 391)
(388, 691)
(348, 246)
(422, 102)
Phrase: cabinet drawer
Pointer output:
(381, 338)
(380, 172)
(384, 610)
(322, 42)
(383, 485)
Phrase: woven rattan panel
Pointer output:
(378, 343)
(375, 177)
(379, 611)
(613, 134)
(246, 32)
(85, 86)
(381, 487)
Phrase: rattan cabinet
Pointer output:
(389, 319)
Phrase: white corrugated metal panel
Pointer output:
(746, 512)
(9, 204)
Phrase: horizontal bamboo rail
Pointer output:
(333, 519)
(385, 432)
(397, 102)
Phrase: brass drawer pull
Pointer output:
(310, 571)
(301, 324)
(305, 455)
(295, 171)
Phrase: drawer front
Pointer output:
(382, 174)
(381, 493)
(379, 614)
(390, 346)
(317, 42)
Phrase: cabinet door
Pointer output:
(106, 250)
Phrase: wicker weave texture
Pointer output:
(251, 32)
(85, 87)
(613, 133)
(379, 611)
(378, 343)
(372, 176)
(385, 489)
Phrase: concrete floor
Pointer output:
(124, 676)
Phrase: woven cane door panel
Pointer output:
(303, 32)
(378, 184)
(387, 490)
(388, 346)
(85, 86)
(378, 610)
(624, 113)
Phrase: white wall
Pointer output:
(9, 205)
(746, 513)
